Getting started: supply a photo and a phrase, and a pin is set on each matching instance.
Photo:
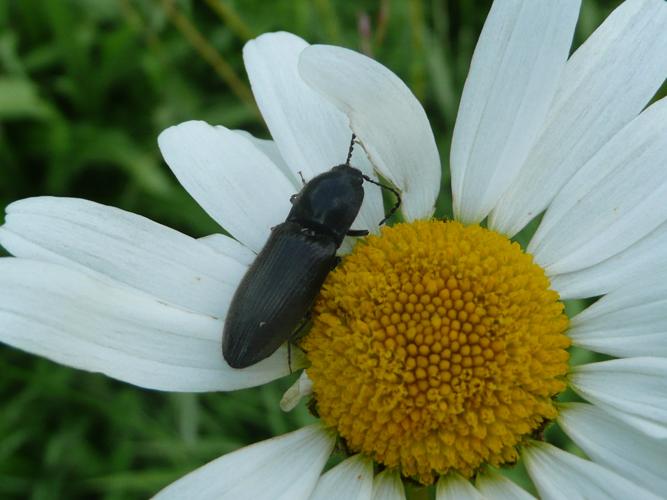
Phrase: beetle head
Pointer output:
(330, 202)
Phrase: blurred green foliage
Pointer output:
(85, 88)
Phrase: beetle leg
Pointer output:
(357, 232)
(389, 188)
(299, 331)
(289, 357)
(312, 408)
(296, 335)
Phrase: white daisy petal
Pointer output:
(224, 171)
(630, 321)
(84, 322)
(494, 486)
(388, 486)
(616, 199)
(352, 479)
(454, 486)
(564, 476)
(229, 247)
(311, 134)
(124, 247)
(605, 84)
(512, 80)
(632, 265)
(632, 389)
(387, 118)
(283, 468)
(617, 446)
(270, 149)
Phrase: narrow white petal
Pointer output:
(388, 486)
(124, 247)
(494, 486)
(352, 479)
(91, 324)
(605, 84)
(389, 121)
(632, 389)
(563, 476)
(512, 80)
(616, 445)
(616, 199)
(301, 388)
(630, 321)
(637, 262)
(311, 134)
(283, 468)
(224, 172)
(454, 486)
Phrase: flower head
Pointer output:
(438, 347)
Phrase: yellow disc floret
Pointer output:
(437, 347)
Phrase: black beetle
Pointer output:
(279, 288)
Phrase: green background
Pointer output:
(85, 88)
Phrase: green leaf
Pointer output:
(19, 99)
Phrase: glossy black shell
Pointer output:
(281, 285)
(330, 202)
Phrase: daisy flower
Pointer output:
(437, 347)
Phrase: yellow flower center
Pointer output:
(437, 347)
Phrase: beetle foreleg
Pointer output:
(389, 188)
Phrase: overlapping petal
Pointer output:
(605, 84)
(311, 134)
(229, 247)
(125, 248)
(512, 80)
(634, 264)
(494, 486)
(270, 149)
(617, 446)
(387, 118)
(560, 475)
(616, 199)
(454, 486)
(388, 486)
(632, 390)
(283, 468)
(89, 323)
(352, 479)
(630, 321)
(224, 172)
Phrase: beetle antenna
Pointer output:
(349, 151)
(389, 188)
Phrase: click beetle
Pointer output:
(279, 288)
